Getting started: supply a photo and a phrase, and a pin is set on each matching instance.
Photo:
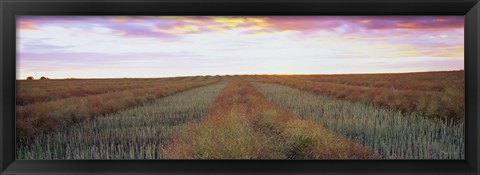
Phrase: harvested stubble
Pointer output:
(394, 134)
(136, 133)
(242, 124)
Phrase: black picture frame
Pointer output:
(10, 8)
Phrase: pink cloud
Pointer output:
(367, 22)
(429, 22)
(132, 24)
(429, 35)
(26, 25)
(303, 23)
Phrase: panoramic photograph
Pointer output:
(240, 87)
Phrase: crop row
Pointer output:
(447, 104)
(43, 117)
(424, 81)
(29, 92)
(135, 133)
(242, 124)
(394, 134)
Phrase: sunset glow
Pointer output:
(166, 46)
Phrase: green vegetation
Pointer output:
(242, 124)
(136, 133)
(393, 134)
(390, 116)
(43, 117)
(432, 94)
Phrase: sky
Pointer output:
(167, 46)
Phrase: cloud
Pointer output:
(308, 23)
(26, 25)
(233, 44)
(429, 22)
(136, 25)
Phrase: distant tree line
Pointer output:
(41, 78)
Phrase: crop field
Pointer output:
(242, 124)
(45, 116)
(432, 94)
(350, 116)
(135, 133)
(42, 91)
(394, 134)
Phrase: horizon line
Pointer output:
(67, 78)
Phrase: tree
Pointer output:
(44, 78)
(30, 78)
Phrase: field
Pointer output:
(46, 116)
(432, 94)
(356, 116)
